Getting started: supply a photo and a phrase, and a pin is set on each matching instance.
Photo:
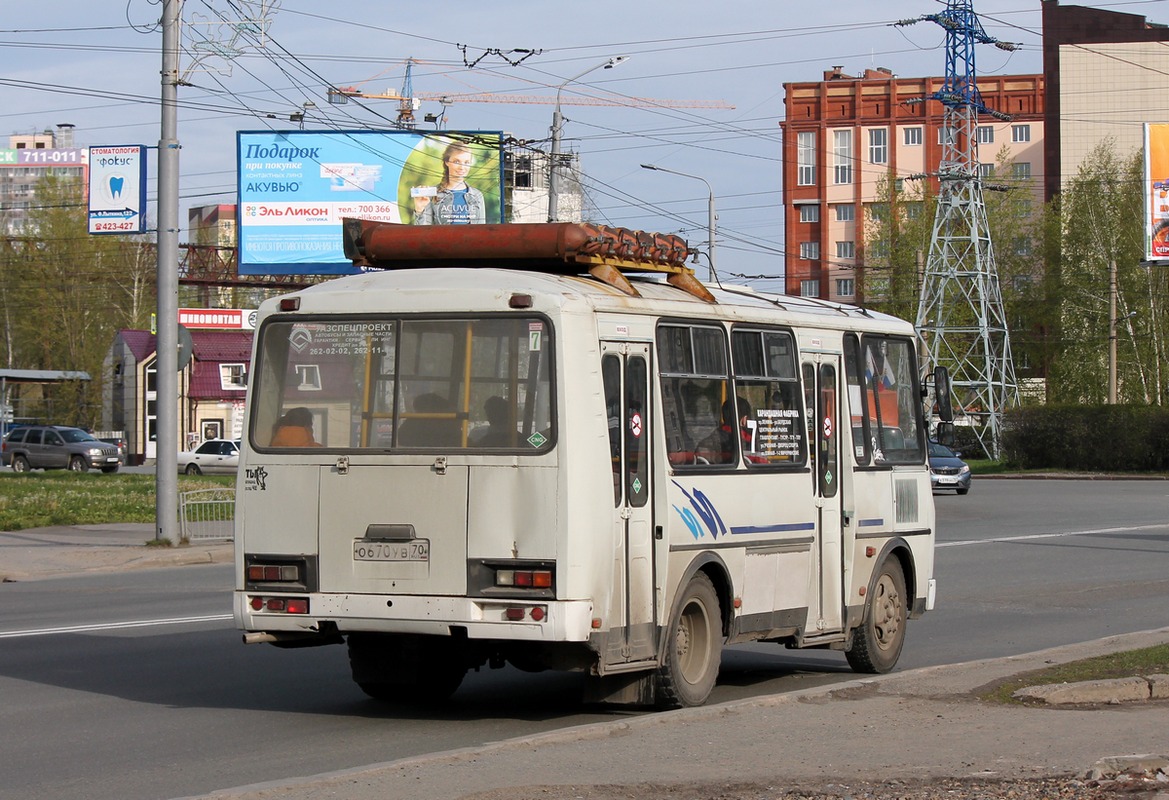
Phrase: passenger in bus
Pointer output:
(500, 432)
(719, 446)
(294, 429)
(431, 430)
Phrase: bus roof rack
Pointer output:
(564, 248)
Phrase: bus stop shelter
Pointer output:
(12, 379)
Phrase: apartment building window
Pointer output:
(877, 212)
(842, 157)
(878, 146)
(986, 170)
(846, 249)
(1020, 133)
(845, 212)
(985, 134)
(947, 135)
(809, 251)
(1021, 170)
(809, 288)
(845, 287)
(913, 137)
(809, 213)
(912, 210)
(806, 159)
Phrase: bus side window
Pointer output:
(859, 418)
(809, 373)
(694, 383)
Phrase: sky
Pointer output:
(96, 66)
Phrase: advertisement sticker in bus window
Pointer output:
(299, 338)
(535, 331)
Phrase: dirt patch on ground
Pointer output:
(944, 789)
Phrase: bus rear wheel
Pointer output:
(877, 643)
(405, 670)
(693, 647)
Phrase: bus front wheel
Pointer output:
(876, 644)
(693, 647)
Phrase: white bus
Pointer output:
(558, 466)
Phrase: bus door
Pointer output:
(626, 377)
(822, 392)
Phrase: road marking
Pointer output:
(113, 626)
(1095, 532)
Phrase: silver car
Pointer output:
(57, 447)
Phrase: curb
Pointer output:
(1113, 691)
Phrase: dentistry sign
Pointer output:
(117, 189)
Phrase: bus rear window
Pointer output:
(403, 384)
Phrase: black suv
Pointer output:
(57, 447)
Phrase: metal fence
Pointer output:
(207, 515)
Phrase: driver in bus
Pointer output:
(294, 429)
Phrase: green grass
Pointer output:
(39, 499)
(1146, 661)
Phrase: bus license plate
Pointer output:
(413, 550)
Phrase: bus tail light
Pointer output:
(279, 605)
(518, 613)
(273, 573)
(280, 573)
(524, 578)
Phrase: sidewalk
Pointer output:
(67, 550)
(923, 728)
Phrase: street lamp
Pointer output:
(557, 124)
(711, 216)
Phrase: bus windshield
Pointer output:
(390, 383)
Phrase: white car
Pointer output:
(214, 457)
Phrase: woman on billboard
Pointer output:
(453, 201)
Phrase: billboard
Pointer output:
(117, 189)
(296, 186)
(1156, 191)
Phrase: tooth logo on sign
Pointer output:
(116, 183)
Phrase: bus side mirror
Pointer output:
(942, 394)
(944, 434)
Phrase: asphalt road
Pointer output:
(124, 710)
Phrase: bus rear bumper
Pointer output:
(479, 618)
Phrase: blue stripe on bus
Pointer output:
(870, 523)
(791, 526)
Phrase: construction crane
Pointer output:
(409, 101)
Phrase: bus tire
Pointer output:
(876, 644)
(404, 670)
(693, 647)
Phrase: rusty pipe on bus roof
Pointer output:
(561, 246)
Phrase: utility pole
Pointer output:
(960, 322)
(557, 126)
(166, 442)
(1112, 332)
(711, 216)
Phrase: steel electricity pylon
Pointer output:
(960, 322)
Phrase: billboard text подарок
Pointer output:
(296, 186)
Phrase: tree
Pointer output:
(1102, 225)
(898, 234)
(64, 295)
(897, 240)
